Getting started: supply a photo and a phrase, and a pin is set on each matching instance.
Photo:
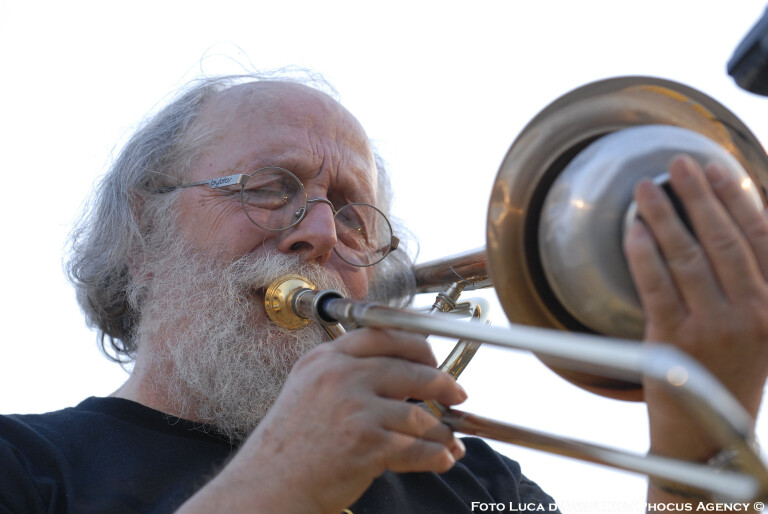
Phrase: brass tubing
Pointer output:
(706, 398)
(470, 267)
(699, 477)
(627, 360)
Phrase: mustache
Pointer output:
(253, 274)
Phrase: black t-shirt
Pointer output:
(117, 456)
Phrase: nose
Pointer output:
(315, 236)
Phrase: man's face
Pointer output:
(296, 128)
(208, 342)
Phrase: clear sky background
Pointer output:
(442, 87)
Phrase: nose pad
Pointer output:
(315, 236)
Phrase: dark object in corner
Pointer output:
(749, 63)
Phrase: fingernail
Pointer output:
(683, 166)
(462, 392)
(715, 174)
(649, 192)
(637, 230)
(458, 449)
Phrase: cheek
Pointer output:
(356, 281)
(219, 227)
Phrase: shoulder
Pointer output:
(89, 421)
(33, 463)
(105, 425)
(79, 459)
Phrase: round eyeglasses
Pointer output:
(273, 198)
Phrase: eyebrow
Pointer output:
(292, 160)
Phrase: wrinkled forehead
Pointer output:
(267, 108)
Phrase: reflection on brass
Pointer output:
(278, 298)
(539, 155)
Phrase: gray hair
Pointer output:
(119, 221)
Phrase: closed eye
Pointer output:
(265, 198)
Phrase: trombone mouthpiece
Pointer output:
(278, 301)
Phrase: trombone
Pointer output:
(555, 171)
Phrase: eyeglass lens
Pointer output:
(363, 234)
(271, 197)
(274, 198)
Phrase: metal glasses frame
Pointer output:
(240, 179)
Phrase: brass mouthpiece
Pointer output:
(279, 297)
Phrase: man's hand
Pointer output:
(706, 294)
(340, 422)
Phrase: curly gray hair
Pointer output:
(124, 208)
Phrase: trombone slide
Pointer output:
(706, 398)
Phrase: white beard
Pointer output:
(207, 342)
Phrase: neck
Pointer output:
(142, 389)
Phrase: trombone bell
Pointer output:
(533, 206)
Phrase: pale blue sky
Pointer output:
(441, 86)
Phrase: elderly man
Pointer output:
(225, 412)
